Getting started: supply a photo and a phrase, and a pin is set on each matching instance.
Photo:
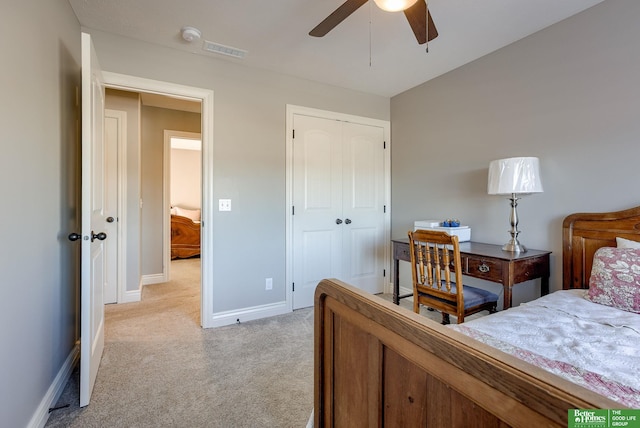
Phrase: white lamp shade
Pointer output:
(514, 175)
(394, 5)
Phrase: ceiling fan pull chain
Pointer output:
(370, 34)
(426, 20)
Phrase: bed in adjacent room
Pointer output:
(185, 232)
(381, 365)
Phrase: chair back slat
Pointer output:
(436, 269)
(432, 260)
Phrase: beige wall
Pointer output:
(39, 196)
(248, 155)
(129, 102)
(186, 176)
(155, 121)
(569, 95)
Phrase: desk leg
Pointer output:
(396, 281)
(544, 285)
(508, 297)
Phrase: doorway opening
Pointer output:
(170, 179)
(140, 197)
(182, 199)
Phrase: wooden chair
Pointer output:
(437, 269)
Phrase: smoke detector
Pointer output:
(191, 34)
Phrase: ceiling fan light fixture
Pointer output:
(394, 5)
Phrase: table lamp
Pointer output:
(513, 177)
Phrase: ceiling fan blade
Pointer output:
(416, 15)
(338, 15)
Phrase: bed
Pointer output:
(185, 237)
(377, 364)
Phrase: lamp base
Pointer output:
(513, 246)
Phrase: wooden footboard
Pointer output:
(380, 365)
(185, 237)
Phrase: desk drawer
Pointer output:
(401, 252)
(483, 269)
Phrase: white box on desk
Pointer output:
(426, 224)
(462, 232)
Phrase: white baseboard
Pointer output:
(388, 287)
(404, 290)
(248, 314)
(40, 417)
(131, 296)
(155, 278)
(401, 290)
(136, 295)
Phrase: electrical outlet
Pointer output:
(224, 204)
(268, 284)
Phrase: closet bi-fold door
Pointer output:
(338, 202)
(363, 206)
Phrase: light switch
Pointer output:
(224, 204)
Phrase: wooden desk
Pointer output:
(488, 262)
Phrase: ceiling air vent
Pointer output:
(223, 50)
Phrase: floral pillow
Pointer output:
(615, 278)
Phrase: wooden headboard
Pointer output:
(584, 233)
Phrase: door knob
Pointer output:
(74, 236)
(101, 236)
(110, 219)
(347, 221)
(338, 221)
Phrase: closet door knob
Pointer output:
(74, 236)
(338, 221)
(110, 219)
(347, 221)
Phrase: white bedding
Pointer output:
(593, 345)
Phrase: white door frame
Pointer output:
(121, 217)
(166, 194)
(292, 110)
(205, 96)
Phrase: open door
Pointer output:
(93, 221)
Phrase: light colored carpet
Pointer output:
(160, 369)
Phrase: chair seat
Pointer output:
(472, 296)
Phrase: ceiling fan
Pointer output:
(415, 11)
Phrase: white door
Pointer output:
(112, 134)
(317, 201)
(93, 221)
(338, 202)
(363, 206)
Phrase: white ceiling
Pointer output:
(381, 58)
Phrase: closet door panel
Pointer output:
(363, 206)
(317, 201)
(338, 202)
